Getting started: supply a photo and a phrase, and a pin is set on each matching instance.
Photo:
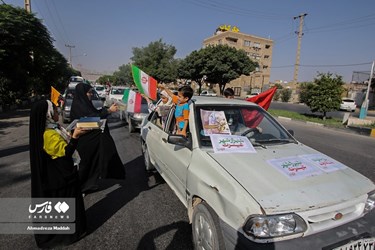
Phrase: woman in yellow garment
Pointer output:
(53, 173)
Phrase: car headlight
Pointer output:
(370, 203)
(269, 226)
(67, 108)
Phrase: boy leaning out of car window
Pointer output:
(182, 107)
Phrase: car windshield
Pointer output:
(117, 91)
(99, 88)
(69, 94)
(249, 121)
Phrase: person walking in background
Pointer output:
(229, 93)
(53, 173)
(97, 149)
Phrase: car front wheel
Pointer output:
(206, 228)
(146, 157)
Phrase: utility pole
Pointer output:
(300, 34)
(364, 106)
(28, 6)
(70, 53)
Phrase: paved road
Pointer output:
(142, 212)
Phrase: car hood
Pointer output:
(278, 193)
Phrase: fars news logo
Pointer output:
(48, 210)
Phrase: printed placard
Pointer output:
(214, 122)
(231, 144)
(295, 168)
(327, 164)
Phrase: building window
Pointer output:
(256, 45)
(268, 46)
(246, 43)
(237, 91)
(265, 66)
(231, 40)
(219, 41)
(266, 56)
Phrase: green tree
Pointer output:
(325, 95)
(124, 75)
(305, 91)
(220, 64)
(157, 60)
(107, 79)
(285, 94)
(28, 60)
(193, 68)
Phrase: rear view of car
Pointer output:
(101, 90)
(134, 120)
(68, 99)
(348, 104)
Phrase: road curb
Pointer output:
(353, 130)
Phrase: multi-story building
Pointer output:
(257, 48)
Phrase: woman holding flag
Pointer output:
(97, 149)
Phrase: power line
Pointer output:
(322, 65)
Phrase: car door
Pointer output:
(154, 137)
(175, 159)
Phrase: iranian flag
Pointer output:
(132, 100)
(145, 83)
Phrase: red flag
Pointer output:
(263, 99)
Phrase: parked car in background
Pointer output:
(348, 104)
(67, 100)
(101, 90)
(208, 92)
(116, 93)
(134, 120)
(247, 183)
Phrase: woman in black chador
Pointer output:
(97, 149)
(53, 174)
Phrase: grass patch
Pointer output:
(329, 121)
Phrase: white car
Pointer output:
(101, 90)
(116, 93)
(208, 92)
(348, 104)
(257, 187)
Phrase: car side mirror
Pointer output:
(180, 140)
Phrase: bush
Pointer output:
(285, 95)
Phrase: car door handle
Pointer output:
(164, 140)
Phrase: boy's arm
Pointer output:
(169, 92)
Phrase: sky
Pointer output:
(338, 35)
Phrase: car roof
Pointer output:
(212, 100)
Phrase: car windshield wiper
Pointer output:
(278, 140)
(257, 144)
